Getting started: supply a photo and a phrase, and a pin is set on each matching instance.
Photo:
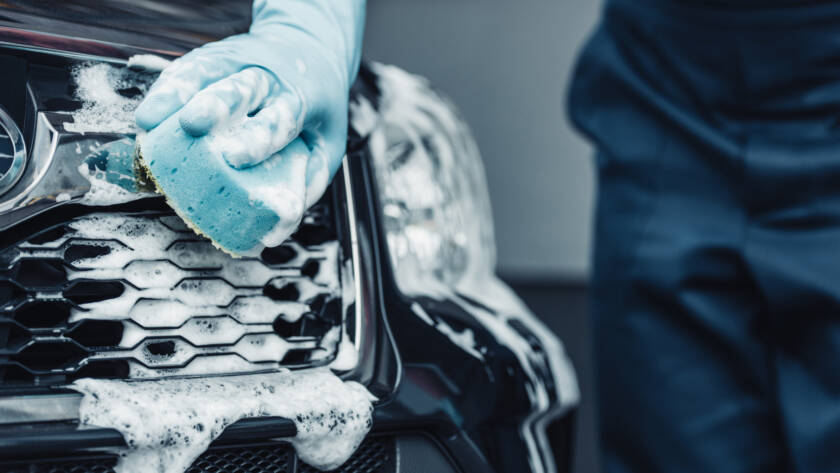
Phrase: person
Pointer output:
(260, 120)
(716, 274)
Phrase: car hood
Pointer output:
(168, 26)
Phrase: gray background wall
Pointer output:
(505, 63)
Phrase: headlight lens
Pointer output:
(431, 184)
(439, 229)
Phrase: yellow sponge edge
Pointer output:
(146, 181)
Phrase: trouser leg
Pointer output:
(793, 247)
(716, 286)
(683, 358)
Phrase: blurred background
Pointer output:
(506, 65)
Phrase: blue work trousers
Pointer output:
(716, 274)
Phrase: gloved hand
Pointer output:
(272, 103)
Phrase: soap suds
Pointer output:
(261, 123)
(337, 340)
(199, 331)
(109, 95)
(287, 204)
(148, 62)
(318, 177)
(165, 429)
(101, 191)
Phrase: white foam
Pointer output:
(199, 331)
(286, 199)
(148, 62)
(318, 179)
(287, 205)
(363, 116)
(205, 365)
(104, 109)
(101, 191)
(347, 357)
(248, 140)
(166, 429)
(337, 339)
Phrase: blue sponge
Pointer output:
(241, 210)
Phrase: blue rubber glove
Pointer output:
(268, 109)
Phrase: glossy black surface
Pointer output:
(172, 25)
(377, 454)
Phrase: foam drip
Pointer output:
(109, 95)
(165, 429)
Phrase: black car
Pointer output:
(394, 264)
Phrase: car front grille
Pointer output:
(117, 295)
(376, 455)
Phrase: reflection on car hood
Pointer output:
(171, 25)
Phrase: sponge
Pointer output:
(241, 211)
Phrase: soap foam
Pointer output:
(337, 339)
(101, 191)
(148, 62)
(287, 204)
(259, 125)
(104, 109)
(165, 429)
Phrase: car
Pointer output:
(389, 280)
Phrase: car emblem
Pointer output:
(12, 152)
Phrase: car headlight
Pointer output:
(435, 205)
(437, 220)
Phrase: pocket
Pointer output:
(584, 76)
(608, 101)
(614, 104)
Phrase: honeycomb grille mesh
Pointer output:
(375, 455)
(245, 460)
(140, 295)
